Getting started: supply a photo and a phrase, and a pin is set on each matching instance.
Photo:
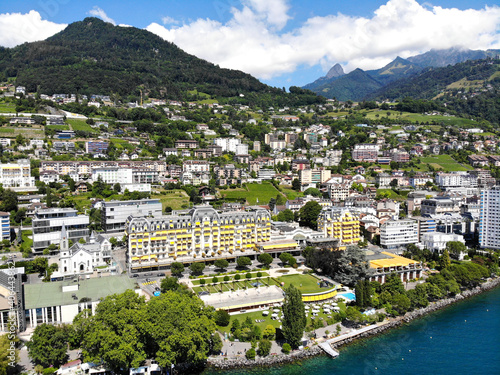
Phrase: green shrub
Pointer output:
(215, 279)
(250, 354)
(286, 348)
(248, 275)
(259, 274)
(226, 278)
(237, 277)
(202, 282)
(264, 347)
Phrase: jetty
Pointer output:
(327, 348)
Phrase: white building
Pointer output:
(16, 175)
(115, 213)
(229, 145)
(436, 241)
(456, 179)
(195, 166)
(396, 233)
(489, 219)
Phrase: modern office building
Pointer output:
(365, 152)
(116, 213)
(425, 225)
(489, 219)
(200, 234)
(47, 225)
(96, 147)
(396, 233)
(341, 224)
(5, 221)
(439, 206)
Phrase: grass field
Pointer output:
(253, 193)
(58, 127)
(444, 162)
(304, 283)
(392, 194)
(290, 193)
(174, 198)
(80, 125)
(7, 108)
(6, 130)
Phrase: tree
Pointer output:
(455, 248)
(197, 268)
(296, 184)
(265, 258)
(286, 215)
(444, 259)
(9, 201)
(264, 347)
(177, 268)
(250, 354)
(294, 316)
(308, 214)
(169, 283)
(222, 318)
(272, 204)
(221, 263)
(286, 348)
(5, 354)
(243, 262)
(287, 258)
(269, 332)
(48, 346)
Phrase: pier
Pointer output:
(328, 349)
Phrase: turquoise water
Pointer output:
(461, 339)
(349, 295)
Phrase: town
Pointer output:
(236, 204)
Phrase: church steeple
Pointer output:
(64, 243)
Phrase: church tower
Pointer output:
(64, 242)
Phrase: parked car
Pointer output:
(160, 274)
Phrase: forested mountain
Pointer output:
(352, 87)
(95, 57)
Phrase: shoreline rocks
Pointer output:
(224, 363)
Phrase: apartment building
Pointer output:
(314, 176)
(116, 213)
(396, 233)
(489, 218)
(18, 174)
(456, 179)
(365, 152)
(95, 147)
(199, 235)
(5, 221)
(47, 225)
(341, 224)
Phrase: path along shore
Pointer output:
(225, 363)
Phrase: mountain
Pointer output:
(95, 57)
(335, 72)
(349, 87)
(353, 86)
(451, 56)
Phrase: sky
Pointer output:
(281, 42)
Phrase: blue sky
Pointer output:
(281, 42)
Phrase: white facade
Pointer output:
(436, 241)
(195, 166)
(396, 233)
(229, 144)
(113, 175)
(489, 219)
(456, 179)
(16, 175)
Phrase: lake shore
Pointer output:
(226, 363)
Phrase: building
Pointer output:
(16, 175)
(47, 225)
(436, 241)
(396, 233)
(456, 179)
(365, 152)
(424, 225)
(314, 176)
(341, 224)
(186, 143)
(197, 235)
(5, 220)
(116, 213)
(489, 219)
(59, 302)
(125, 176)
(93, 147)
(438, 206)
(12, 299)
(195, 166)
(83, 258)
(384, 263)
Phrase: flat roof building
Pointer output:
(116, 213)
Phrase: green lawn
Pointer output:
(392, 194)
(290, 193)
(444, 162)
(6, 130)
(177, 199)
(305, 283)
(58, 127)
(253, 193)
(7, 108)
(208, 279)
(80, 125)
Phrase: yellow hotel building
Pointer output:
(341, 224)
(202, 234)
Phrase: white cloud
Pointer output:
(17, 28)
(251, 40)
(98, 12)
(169, 20)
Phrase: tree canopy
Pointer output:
(294, 316)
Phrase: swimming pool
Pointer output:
(350, 296)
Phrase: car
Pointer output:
(146, 274)
(157, 289)
(135, 275)
(147, 280)
(159, 274)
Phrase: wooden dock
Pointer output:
(328, 349)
